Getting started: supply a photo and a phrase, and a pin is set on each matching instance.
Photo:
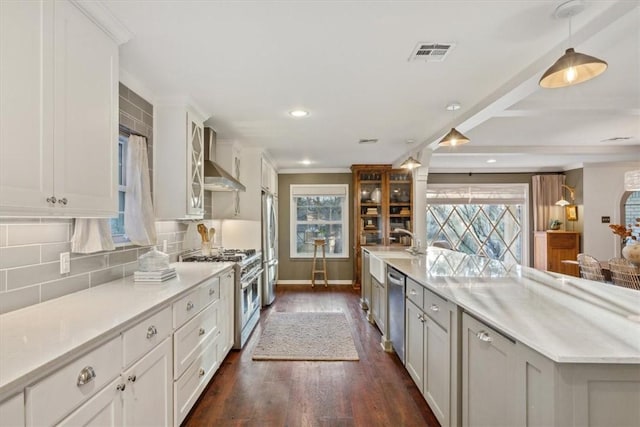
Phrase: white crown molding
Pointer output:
(319, 283)
(100, 14)
(319, 170)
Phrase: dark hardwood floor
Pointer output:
(375, 391)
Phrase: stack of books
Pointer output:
(372, 211)
(154, 276)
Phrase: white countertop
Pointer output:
(35, 339)
(567, 319)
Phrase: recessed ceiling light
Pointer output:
(298, 113)
(491, 161)
(454, 106)
(306, 162)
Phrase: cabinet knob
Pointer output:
(484, 336)
(413, 292)
(421, 318)
(189, 306)
(151, 332)
(52, 199)
(212, 291)
(434, 308)
(87, 374)
(201, 331)
(63, 201)
(201, 372)
(132, 378)
(121, 387)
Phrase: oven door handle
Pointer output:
(244, 283)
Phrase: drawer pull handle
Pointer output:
(201, 372)
(421, 318)
(483, 336)
(52, 199)
(189, 306)
(413, 292)
(201, 331)
(151, 332)
(212, 291)
(63, 201)
(132, 378)
(87, 374)
(121, 387)
(434, 308)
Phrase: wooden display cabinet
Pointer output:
(382, 203)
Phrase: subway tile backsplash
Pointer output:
(30, 269)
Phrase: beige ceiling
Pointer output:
(247, 63)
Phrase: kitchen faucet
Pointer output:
(414, 249)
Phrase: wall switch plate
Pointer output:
(605, 219)
(164, 246)
(65, 262)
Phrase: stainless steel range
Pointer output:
(248, 295)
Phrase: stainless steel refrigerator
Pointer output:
(269, 248)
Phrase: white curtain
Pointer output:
(139, 220)
(91, 235)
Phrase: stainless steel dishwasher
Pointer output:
(396, 282)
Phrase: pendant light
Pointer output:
(454, 137)
(572, 67)
(410, 163)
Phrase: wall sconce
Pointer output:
(572, 196)
(570, 209)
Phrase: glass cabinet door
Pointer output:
(195, 203)
(371, 193)
(400, 207)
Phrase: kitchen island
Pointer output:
(520, 346)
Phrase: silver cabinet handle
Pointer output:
(434, 308)
(483, 336)
(189, 306)
(212, 291)
(201, 372)
(201, 331)
(63, 201)
(121, 387)
(413, 292)
(421, 318)
(87, 374)
(52, 199)
(132, 378)
(151, 332)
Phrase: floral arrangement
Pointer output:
(625, 232)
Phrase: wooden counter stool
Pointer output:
(314, 270)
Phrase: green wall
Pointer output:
(300, 269)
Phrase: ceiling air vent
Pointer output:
(431, 52)
(368, 141)
(616, 138)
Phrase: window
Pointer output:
(117, 224)
(488, 220)
(319, 212)
(631, 211)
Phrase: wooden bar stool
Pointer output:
(314, 270)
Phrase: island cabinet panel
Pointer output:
(552, 247)
(365, 291)
(414, 345)
(104, 409)
(12, 411)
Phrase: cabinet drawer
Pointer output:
(563, 241)
(415, 293)
(141, 338)
(189, 339)
(193, 302)
(188, 387)
(12, 411)
(436, 308)
(58, 394)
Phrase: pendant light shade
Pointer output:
(453, 138)
(632, 180)
(410, 163)
(572, 68)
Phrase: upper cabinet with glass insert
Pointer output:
(179, 191)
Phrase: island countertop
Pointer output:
(566, 319)
(36, 339)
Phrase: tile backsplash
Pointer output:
(30, 259)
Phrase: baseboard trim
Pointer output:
(308, 282)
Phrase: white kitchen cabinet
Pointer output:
(148, 395)
(379, 304)
(365, 291)
(59, 112)
(489, 392)
(179, 191)
(414, 343)
(103, 409)
(269, 176)
(12, 411)
(226, 314)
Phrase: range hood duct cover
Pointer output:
(215, 177)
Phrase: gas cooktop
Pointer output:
(229, 255)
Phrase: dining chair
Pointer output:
(590, 268)
(624, 273)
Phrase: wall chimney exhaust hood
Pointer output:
(215, 177)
